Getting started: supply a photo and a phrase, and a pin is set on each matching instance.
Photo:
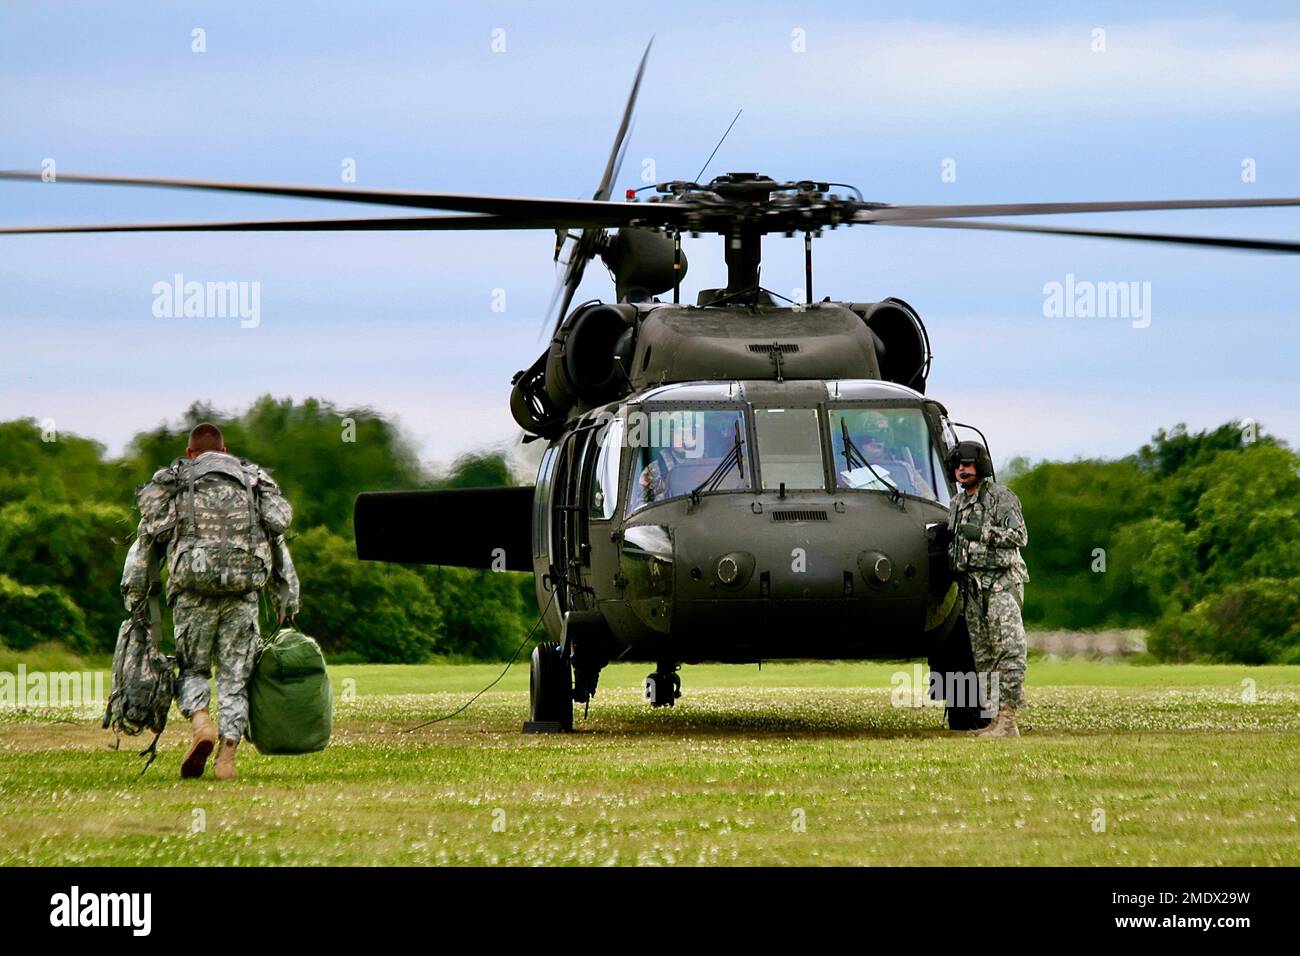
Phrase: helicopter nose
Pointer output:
(822, 580)
(825, 564)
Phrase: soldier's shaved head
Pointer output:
(205, 437)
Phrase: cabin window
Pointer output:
(876, 449)
(676, 451)
(542, 504)
(789, 448)
(604, 484)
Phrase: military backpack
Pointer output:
(220, 545)
(144, 679)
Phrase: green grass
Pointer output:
(1185, 770)
(51, 657)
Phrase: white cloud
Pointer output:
(893, 68)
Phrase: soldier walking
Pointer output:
(988, 531)
(218, 524)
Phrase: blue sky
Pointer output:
(413, 93)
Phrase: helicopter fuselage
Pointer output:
(788, 561)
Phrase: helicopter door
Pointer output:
(587, 446)
(571, 546)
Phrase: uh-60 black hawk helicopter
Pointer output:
(736, 480)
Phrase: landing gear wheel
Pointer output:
(662, 688)
(550, 686)
(954, 661)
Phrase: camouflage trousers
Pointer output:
(226, 625)
(997, 636)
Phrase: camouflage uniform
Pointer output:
(225, 623)
(653, 482)
(228, 625)
(993, 577)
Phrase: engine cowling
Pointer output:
(531, 407)
(903, 346)
(581, 366)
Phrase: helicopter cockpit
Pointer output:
(700, 438)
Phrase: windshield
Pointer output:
(886, 447)
(674, 452)
(789, 448)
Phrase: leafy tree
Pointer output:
(1073, 511)
(1247, 622)
(361, 610)
(1175, 450)
(478, 470)
(321, 456)
(68, 468)
(1185, 525)
(1013, 468)
(1245, 524)
(484, 614)
(33, 615)
(76, 549)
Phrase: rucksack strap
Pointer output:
(151, 752)
(282, 590)
(252, 509)
(155, 610)
(194, 522)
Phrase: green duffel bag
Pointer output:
(290, 704)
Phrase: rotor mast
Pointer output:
(744, 254)
(751, 193)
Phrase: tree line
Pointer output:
(67, 517)
(1195, 536)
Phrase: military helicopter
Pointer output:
(736, 480)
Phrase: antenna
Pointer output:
(719, 146)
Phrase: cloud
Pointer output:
(893, 69)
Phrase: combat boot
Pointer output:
(205, 738)
(224, 768)
(1003, 725)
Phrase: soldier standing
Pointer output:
(219, 523)
(988, 531)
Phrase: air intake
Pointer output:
(798, 516)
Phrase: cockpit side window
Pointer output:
(878, 449)
(542, 504)
(604, 483)
(675, 451)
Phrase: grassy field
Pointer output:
(798, 763)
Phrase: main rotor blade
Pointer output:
(559, 213)
(1220, 242)
(572, 280)
(584, 248)
(900, 213)
(394, 224)
(620, 138)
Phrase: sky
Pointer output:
(1012, 103)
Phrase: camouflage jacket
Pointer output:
(994, 560)
(156, 535)
(653, 482)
